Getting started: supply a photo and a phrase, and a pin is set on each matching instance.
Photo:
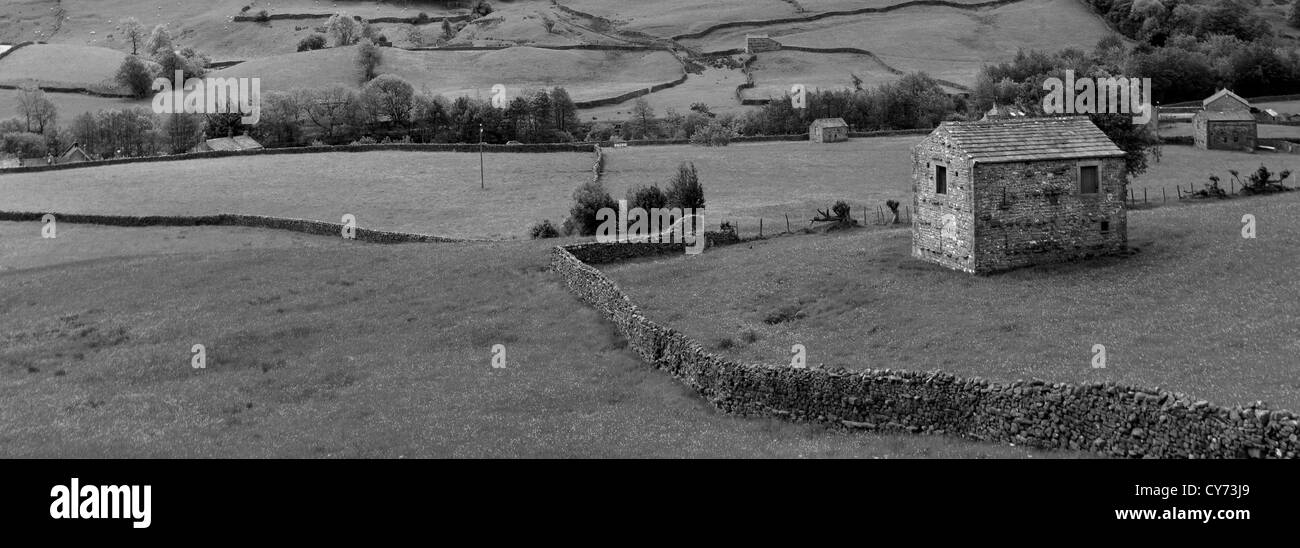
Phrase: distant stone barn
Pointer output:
(755, 43)
(1000, 194)
(828, 130)
(1234, 130)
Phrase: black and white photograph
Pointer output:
(274, 239)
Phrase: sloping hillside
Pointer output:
(62, 65)
(586, 74)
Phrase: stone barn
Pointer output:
(1233, 130)
(755, 43)
(1000, 194)
(828, 130)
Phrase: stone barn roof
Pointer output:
(828, 122)
(1221, 93)
(1029, 139)
(238, 142)
(1230, 116)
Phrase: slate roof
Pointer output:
(1029, 139)
(239, 142)
(1225, 116)
(829, 122)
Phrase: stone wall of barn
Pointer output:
(943, 226)
(1033, 213)
(1220, 134)
(1103, 418)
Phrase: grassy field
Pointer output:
(715, 87)
(62, 65)
(775, 72)
(362, 351)
(70, 105)
(585, 74)
(672, 17)
(1199, 310)
(1288, 107)
(1266, 131)
(950, 43)
(1181, 165)
(204, 25)
(747, 181)
(427, 192)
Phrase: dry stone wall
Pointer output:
(1103, 418)
(230, 219)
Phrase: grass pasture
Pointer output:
(426, 192)
(715, 87)
(585, 74)
(346, 349)
(932, 37)
(62, 65)
(1181, 165)
(203, 25)
(71, 105)
(744, 182)
(1199, 310)
(1286, 107)
(775, 72)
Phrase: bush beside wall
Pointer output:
(1107, 419)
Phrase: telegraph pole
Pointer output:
(482, 185)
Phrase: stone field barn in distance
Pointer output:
(999, 194)
(828, 130)
(1234, 130)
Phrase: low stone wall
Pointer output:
(411, 147)
(629, 95)
(839, 13)
(1282, 145)
(1107, 419)
(254, 18)
(307, 226)
(17, 47)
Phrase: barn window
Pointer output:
(940, 180)
(1105, 227)
(1088, 181)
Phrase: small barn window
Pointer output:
(1105, 227)
(940, 180)
(1088, 181)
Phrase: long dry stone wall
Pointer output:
(409, 147)
(307, 226)
(1103, 418)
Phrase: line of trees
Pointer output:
(390, 107)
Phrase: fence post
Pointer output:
(1144, 195)
(787, 223)
(760, 227)
(1163, 198)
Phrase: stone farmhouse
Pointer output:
(755, 43)
(828, 130)
(1005, 193)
